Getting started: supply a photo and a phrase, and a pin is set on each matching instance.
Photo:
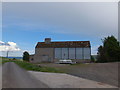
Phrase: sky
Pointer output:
(24, 24)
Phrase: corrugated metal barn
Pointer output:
(49, 51)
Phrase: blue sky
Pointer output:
(28, 23)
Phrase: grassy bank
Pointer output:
(0, 60)
(32, 67)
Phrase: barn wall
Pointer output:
(50, 54)
(72, 53)
(79, 54)
(44, 55)
(64, 53)
(31, 58)
(58, 53)
(87, 53)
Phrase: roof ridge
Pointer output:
(63, 44)
(66, 41)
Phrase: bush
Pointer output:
(92, 59)
(26, 56)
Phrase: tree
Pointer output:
(109, 51)
(101, 56)
(92, 59)
(26, 56)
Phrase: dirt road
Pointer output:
(101, 72)
(16, 77)
(58, 80)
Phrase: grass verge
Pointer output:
(33, 67)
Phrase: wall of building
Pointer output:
(87, 53)
(31, 58)
(52, 54)
(44, 55)
(73, 53)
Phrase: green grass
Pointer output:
(0, 60)
(4, 60)
(32, 67)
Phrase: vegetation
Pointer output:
(32, 67)
(109, 51)
(26, 56)
(0, 60)
(92, 59)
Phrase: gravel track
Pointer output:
(101, 72)
(57, 80)
(15, 77)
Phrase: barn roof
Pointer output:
(63, 44)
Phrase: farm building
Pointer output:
(49, 51)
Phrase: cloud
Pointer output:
(68, 18)
(15, 51)
(77, 17)
(91, 21)
(9, 46)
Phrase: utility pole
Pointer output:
(7, 54)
